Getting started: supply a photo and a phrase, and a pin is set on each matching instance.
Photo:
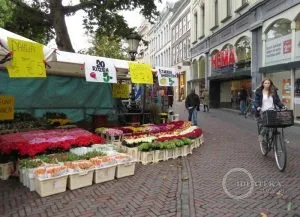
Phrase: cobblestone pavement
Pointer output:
(191, 186)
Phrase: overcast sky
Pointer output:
(77, 33)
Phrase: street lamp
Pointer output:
(133, 41)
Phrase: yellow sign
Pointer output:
(120, 91)
(28, 59)
(140, 73)
(7, 104)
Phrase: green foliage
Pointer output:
(107, 46)
(40, 20)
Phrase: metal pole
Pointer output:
(144, 102)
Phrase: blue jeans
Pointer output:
(243, 106)
(193, 116)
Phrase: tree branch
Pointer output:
(31, 10)
(81, 6)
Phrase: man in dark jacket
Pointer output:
(192, 104)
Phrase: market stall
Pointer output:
(40, 138)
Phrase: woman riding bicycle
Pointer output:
(266, 98)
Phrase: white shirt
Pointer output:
(267, 102)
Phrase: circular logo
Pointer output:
(243, 196)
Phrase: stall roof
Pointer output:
(61, 62)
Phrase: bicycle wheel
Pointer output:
(280, 151)
(264, 144)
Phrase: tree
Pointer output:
(29, 26)
(99, 13)
(106, 46)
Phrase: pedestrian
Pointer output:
(243, 95)
(206, 100)
(266, 98)
(192, 104)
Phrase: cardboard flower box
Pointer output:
(105, 174)
(80, 179)
(134, 152)
(147, 157)
(51, 186)
(5, 170)
(159, 155)
(125, 169)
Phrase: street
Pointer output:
(227, 176)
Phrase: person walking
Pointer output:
(243, 99)
(206, 100)
(192, 104)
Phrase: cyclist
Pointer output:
(266, 98)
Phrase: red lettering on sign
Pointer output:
(223, 58)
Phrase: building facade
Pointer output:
(237, 47)
(144, 48)
(180, 24)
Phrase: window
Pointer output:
(184, 25)
(180, 28)
(188, 21)
(173, 34)
(180, 51)
(297, 20)
(188, 48)
(244, 2)
(174, 56)
(177, 53)
(216, 12)
(176, 32)
(196, 26)
(184, 50)
(279, 29)
(202, 67)
(203, 20)
(229, 8)
(243, 50)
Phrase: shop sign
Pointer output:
(297, 50)
(120, 91)
(278, 50)
(167, 77)
(140, 73)
(28, 59)
(100, 69)
(223, 58)
(7, 104)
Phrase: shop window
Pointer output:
(282, 80)
(195, 69)
(243, 52)
(297, 96)
(279, 29)
(202, 67)
(297, 20)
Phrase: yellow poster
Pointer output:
(140, 73)
(28, 59)
(7, 104)
(120, 91)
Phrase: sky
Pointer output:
(77, 33)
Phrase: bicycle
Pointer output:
(250, 110)
(274, 138)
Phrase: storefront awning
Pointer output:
(231, 75)
(280, 67)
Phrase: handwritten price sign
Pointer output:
(28, 59)
(140, 73)
(7, 104)
(120, 91)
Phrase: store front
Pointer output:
(281, 52)
(230, 73)
(198, 75)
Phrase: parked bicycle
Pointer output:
(274, 122)
(250, 110)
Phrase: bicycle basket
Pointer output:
(278, 119)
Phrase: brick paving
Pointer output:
(191, 186)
